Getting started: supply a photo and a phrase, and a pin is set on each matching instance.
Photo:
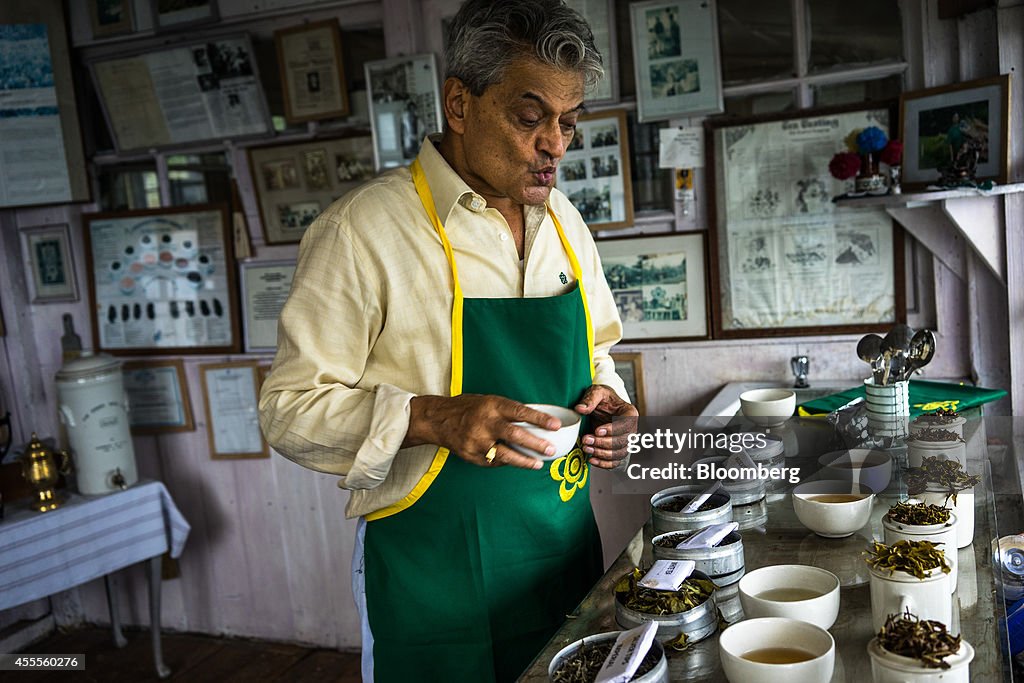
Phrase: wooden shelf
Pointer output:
(943, 219)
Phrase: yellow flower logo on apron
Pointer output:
(936, 405)
(571, 471)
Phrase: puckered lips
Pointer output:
(545, 175)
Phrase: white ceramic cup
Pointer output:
(768, 407)
(887, 667)
(832, 520)
(776, 632)
(944, 535)
(927, 598)
(872, 468)
(563, 439)
(963, 508)
(756, 590)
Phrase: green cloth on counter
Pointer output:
(925, 397)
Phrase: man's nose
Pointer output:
(551, 141)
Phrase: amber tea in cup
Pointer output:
(778, 655)
(837, 498)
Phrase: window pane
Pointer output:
(652, 186)
(858, 91)
(128, 189)
(756, 38)
(848, 33)
(762, 103)
(198, 178)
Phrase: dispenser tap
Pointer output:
(800, 365)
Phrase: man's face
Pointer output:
(517, 131)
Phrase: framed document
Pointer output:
(175, 14)
(110, 17)
(405, 106)
(208, 90)
(162, 280)
(265, 288)
(295, 182)
(594, 173)
(312, 75)
(40, 137)
(659, 284)
(675, 58)
(231, 393)
(785, 260)
(51, 268)
(630, 367)
(975, 113)
(600, 15)
(157, 396)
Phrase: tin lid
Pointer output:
(88, 365)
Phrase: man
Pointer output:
(428, 307)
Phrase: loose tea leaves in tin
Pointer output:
(916, 558)
(918, 514)
(946, 475)
(925, 640)
(582, 665)
(692, 593)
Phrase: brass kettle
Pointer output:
(41, 468)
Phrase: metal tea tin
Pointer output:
(697, 623)
(665, 520)
(659, 674)
(741, 491)
(722, 563)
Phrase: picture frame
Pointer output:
(162, 281)
(50, 264)
(659, 283)
(188, 92)
(111, 17)
(676, 58)
(158, 396)
(231, 396)
(784, 258)
(979, 109)
(39, 124)
(294, 182)
(600, 15)
(309, 57)
(405, 106)
(265, 286)
(594, 173)
(630, 367)
(175, 14)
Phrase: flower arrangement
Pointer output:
(865, 148)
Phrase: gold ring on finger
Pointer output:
(491, 452)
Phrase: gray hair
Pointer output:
(486, 36)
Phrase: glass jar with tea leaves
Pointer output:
(946, 483)
(912, 650)
(909, 575)
(916, 521)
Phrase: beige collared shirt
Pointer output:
(367, 324)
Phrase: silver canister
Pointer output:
(722, 563)
(1008, 565)
(659, 674)
(741, 491)
(664, 503)
(697, 623)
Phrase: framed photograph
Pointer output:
(110, 17)
(196, 91)
(938, 119)
(162, 280)
(600, 15)
(659, 284)
(312, 75)
(594, 174)
(175, 14)
(157, 396)
(405, 107)
(630, 367)
(675, 57)
(265, 288)
(46, 250)
(40, 135)
(294, 182)
(785, 259)
(231, 394)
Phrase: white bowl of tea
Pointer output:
(773, 649)
(872, 468)
(833, 508)
(796, 591)
(563, 438)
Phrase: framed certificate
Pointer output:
(312, 75)
(157, 396)
(162, 280)
(265, 288)
(47, 251)
(231, 393)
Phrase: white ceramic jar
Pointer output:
(887, 667)
(895, 593)
(941, 534)
(918, 449)
(963, 508)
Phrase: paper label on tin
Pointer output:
(695, 504)
(709, 536)
(740, 459)
(627, 653)
(667, 575)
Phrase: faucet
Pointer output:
(800, 365)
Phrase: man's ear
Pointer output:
(455, 101)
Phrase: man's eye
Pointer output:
(568, 128)
(529, 123)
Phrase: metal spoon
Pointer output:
(922, 350)
(869, 348)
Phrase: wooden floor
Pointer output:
(192, 658)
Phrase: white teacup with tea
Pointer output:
(772, 649)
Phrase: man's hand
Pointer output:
(607, 445)
(469, 425)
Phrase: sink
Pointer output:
(726, 403)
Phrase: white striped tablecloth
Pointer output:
(88, 537)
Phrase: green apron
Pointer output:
(471, 579)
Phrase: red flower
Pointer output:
(844, 165)
(893, 153)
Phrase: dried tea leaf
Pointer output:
(924, 640)
(916, 558)
(918, 514)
